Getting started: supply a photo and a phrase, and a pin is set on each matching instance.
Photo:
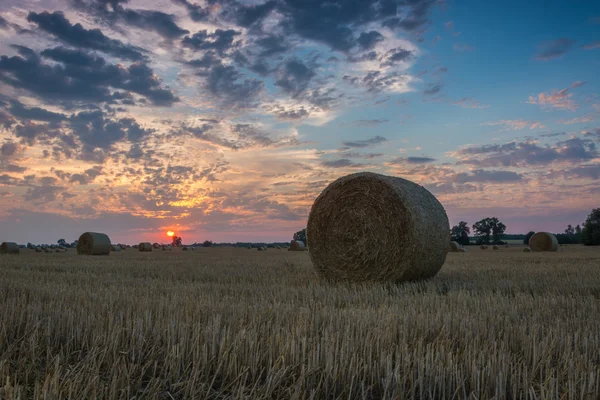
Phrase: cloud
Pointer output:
(248, 15)
(554, 49)
(368, 40)
(220, 40)
(396, 55)
(378, 81)
(18, 110)
(515, 124)
(527, 153)
(592, 46)
(466, 102)
(294, 77)
(80, 77)
(228, 86)
(462, 47)
(363, 123)
(410, 160)
(433, 89)
(557, 99)
(196, 12)
(76, 35)
(8, 149)
(577, 120)
(366, 142)
(342, 163)
(481, 175)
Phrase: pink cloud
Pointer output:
(516, 124)
(592, 46)
(558, 99)
(466, 102)
(577, 120)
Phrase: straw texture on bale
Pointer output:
(297, 245)
(94, 244)
(496, 247)
(372, 227)
(454, 247)
(526, 250)
(145, 246)
(543, 241)
(9, 248)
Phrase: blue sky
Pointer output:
(224, 119)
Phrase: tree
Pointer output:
(62, 242)
(176, 241)
(527, 237)
(300, 235)
(460, 233)
(207, 243)
(489, 227)
(591, 229)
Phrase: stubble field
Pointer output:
(220, 323)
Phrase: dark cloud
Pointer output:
(377, 81)
(219, 41)
(18, 110)
(411, 160)
(3, 23)
(42, 194)
(341, 163)
(365, 143)
(8, 149)
(521, 154)
(553, 49)
(366, 156)
(251, 14)
(294, 77)
(80, 77)
(272, 45)
(367, 40)
(195, 12)
(76, 35)
(228, 85)
(31, 131)
(394, 56)
(584, 172)
(481, 175)
(433, 89)
(112, 11)
(363, 123)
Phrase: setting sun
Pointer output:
(170, 233)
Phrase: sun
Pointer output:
(170, 233)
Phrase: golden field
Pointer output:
(219, 323)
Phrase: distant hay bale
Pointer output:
(47, 250)
(94, 244)
(506, 246)
(123, 247)
(185, 249)
(38, 249)
(115, 248)
(496, 247)
(145, 247)
(297, 245)
(543, 241)
(372, 227)
(483, 247)
(526, 250)
(9, 248)
(462, 250)
(454, 247)
(259, 249)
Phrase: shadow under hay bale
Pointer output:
(93, 244)
(543, 241)
(145, 247)
(9, 248)
(372, 227)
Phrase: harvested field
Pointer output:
(228, 323)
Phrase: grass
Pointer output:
(222, 323)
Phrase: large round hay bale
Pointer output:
(454, 247)
(297, 245)
(495, 247)
(526, 250)
(94, 244)
(9, 248)
(372, 227)
(543, 241)
(145, 246)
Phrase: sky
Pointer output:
(224, 119)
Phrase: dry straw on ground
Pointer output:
(543, 241)
(145, 246)
(462, 250)
(9, 248)
(94, 244)
(454, 247)
(372, 227)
